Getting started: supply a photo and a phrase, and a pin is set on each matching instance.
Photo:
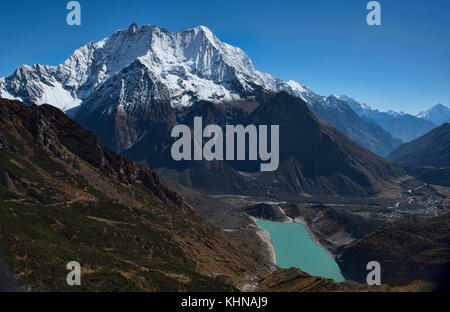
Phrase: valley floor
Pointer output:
(335, 223)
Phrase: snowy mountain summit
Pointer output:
(439, 114)
(143, 63)
(119, 83)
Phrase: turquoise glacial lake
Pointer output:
(295, 248)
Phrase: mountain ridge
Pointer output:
(430, 150)
(185, 67)
(439, 114)
(315, 158)
(401, 126)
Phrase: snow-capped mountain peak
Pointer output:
(193, 64)
(439, 114)
(121, 80)
(357, 105)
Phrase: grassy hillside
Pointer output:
(63, 197)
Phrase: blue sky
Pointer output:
(404, 64)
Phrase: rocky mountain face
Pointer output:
(116, 81)
(315, 158)
(192, 65)
(438, 114)
(65, 197)
(430, 150)
(401, 126)
(364, 131)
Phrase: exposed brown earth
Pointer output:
(294, 280)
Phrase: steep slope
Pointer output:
(132, 104)
(430, 150)
(365, 132)
(64, 197)
(438, 114)
(401, 126)
(315, 158)
(121, 76)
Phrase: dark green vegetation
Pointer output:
(406, 250)
(64, 197)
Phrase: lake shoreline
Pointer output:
(313, 235)
(264, 229)
(264, 235)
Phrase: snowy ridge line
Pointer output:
(192, 64)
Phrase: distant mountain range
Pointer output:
(439, 114)
(402, 126)
(364, 131)
(134, 68)
(131, 88)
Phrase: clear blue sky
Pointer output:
(325, 44)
